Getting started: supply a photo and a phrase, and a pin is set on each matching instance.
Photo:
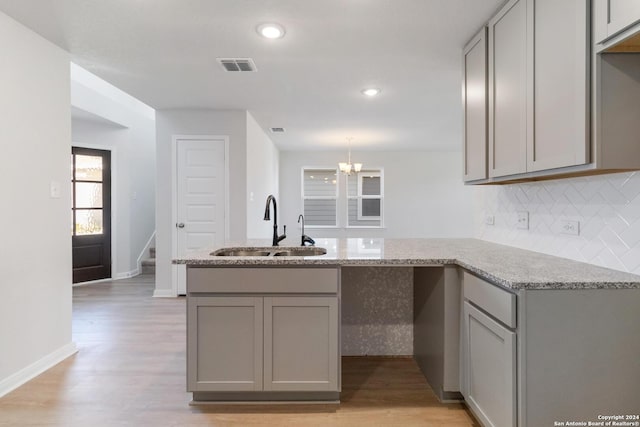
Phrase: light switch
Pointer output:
(55, 189)
(489, 220)
(523, 220)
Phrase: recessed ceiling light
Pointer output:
(271, 30)
(372, 91)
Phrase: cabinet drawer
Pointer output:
(262, 280)
(497, 302)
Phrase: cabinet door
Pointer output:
(224, 344)
(489, 377)
(621, 14)
(301, 351)
(474, 101)
(560, 101)
(508, 83)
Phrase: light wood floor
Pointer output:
(130, 370)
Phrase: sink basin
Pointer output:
(271, 251)
(241, 252)
(301, 251)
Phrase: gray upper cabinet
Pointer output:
(560, 100)
(614, 16)
(474, 101)
(539, 88)
(508, 90)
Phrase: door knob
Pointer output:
(180, 225)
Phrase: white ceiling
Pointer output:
(164, 53)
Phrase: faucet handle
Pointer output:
(283, 236)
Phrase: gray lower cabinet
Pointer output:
(489, 352)
(436, 328)
(490, 377)
(225, 337)
(275, 338)
(301, 343)
(533, 357)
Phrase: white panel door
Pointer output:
(200, 197)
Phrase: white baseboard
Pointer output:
(14, 381)
(164, 293)
(126, 274)
(119, 276)
(91, 282)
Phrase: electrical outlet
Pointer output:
(490, 220)
(523, 220)
(570, 227)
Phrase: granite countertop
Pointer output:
(507, 266)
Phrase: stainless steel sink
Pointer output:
(241, 252)
(271, 251)
(302, 251)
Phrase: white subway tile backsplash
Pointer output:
(607, 207)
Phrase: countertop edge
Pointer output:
(511, 268)
(408, 262)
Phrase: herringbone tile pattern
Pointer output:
(607, 206)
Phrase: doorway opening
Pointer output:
(91, 214)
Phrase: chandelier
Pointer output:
(348, 167)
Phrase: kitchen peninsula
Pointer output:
(525, 338)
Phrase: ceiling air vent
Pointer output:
(238, 64)
(277, 130)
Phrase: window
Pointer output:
(358, 203)
(365, 194)
(87, 187)
(320, 197)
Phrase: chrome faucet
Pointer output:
(267, 217)
(304, 237)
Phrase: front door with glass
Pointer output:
(91, 214)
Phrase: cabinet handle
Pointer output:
(608, 11)
(180, 225)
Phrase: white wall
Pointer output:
(424, 194)
(607, 207)
(35, 253)
(232, 123)
(262, 178)
(125, 126)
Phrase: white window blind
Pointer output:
(320, 197)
